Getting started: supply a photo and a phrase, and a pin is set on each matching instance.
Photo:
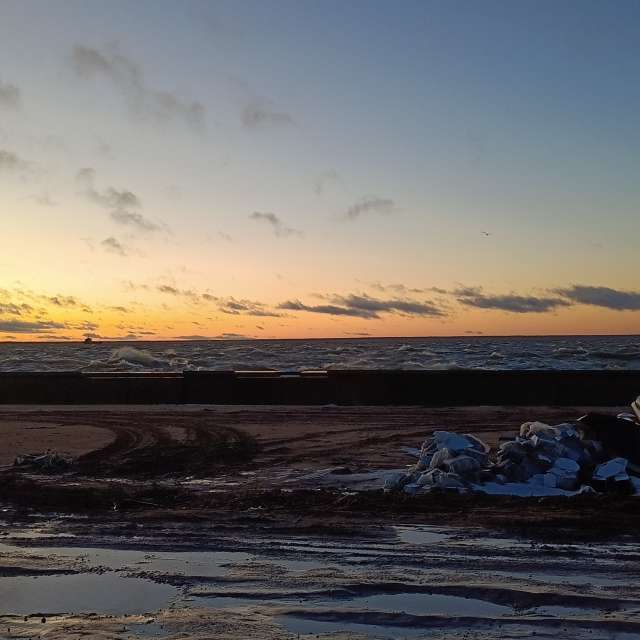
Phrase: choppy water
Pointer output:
(592, 352)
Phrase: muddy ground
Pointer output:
(287, 533)
(290, 467)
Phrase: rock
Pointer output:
(463, 465)
(477, 444)
(513, 451)
(612, 476)
(429, 478)
(452, 441)
(395, 482)
(411, 488)
(611, 469)
(565, 471)
(566, 465)
(529, 429)
(440, 458)
(619, 437)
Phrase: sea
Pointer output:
(478, 352)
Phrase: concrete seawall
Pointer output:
(348, 387)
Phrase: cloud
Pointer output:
(10, 161)
(26, 326)
(602, 297)
(175, 291)
(512, 303)
(329, 309)
(366, 307)
(401, 288)
(118, 201)
(258, 114)
(126, 77)
(235, 307)
(63, 301)
(278, 227)
(9, 96)
(370, 205)
(134, 219)
(396, 305)
(113, 245)
(12, 309)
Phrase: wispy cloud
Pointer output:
(259, 114)
(235, 307)
(63, 301)
(10, 97)
(278, 227)
(370, 205)
(10, 161)
(127, 78)
(605, 297)
(119, 202)
(401, 288)
(177, 292)
(113, 245)
(12, 309)
(511, 303)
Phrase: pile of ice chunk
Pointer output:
(542, 460)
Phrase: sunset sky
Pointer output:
(303, 168)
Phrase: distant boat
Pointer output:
(88, 340)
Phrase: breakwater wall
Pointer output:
(340, 387)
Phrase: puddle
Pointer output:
(562, 612)
(420, 535)
(571, 578)
(304, 626)
(84, 593)
(147, 630)
(429, 604)
(411, 603)
(189, 563)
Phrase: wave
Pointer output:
(135, 357)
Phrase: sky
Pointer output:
(291, 169)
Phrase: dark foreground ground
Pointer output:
(254, 522)
(292, 467)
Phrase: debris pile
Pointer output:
(563, 459)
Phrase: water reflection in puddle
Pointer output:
(304, 626)
(420, 535)
(83, 593)
(429, 604)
